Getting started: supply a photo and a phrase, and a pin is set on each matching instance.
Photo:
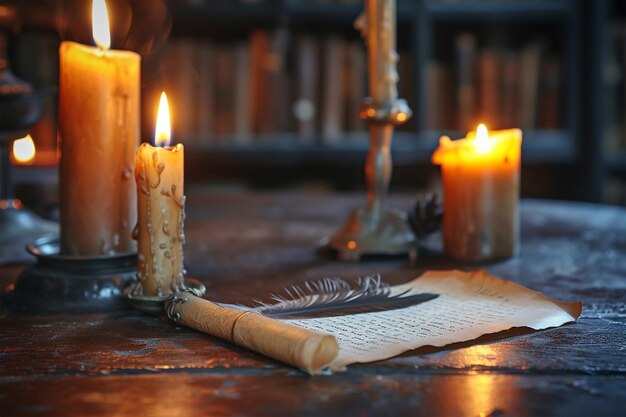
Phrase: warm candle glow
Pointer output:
(163, 131)
(481, 188)
(100, 24)
(99, 106)
(482, 142)
(24, 150)
(401, 117)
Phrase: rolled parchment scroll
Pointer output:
(308, 350)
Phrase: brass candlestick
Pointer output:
(376, 230)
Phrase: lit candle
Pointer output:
(24, 150)
(480, 192)
(381, 50)
(161, 211)
(99, 127)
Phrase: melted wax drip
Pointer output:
(173, 242)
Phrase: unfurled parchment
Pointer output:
(469, 305)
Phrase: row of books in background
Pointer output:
(502, 87)
(273, 82)
(276, 82)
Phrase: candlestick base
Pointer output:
(365, 234)
(60, 283)
(155, 305)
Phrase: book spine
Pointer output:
(205, 99)
(489, 87)
(273, 115)
(509, 90)
(280, 79)
(530, 61)
(466, 80)
(332, 109)
(305, 106)
(259, 45)
(242, 108)
(439, 95)
(225, 69)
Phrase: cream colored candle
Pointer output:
(159, 172)
(99, 127)
(381, 50)
(480, 193)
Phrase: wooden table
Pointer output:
(243, 245)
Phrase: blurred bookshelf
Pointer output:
(611, 116)
(276, 84)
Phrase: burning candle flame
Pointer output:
(481, 141)
(163, 131)
(24, 150)
(100, 24)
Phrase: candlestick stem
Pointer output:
(378, 168)
(377, 230)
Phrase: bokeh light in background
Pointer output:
(24, 150)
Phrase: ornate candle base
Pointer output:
(58, 283)
(377, 230)
(363, 235)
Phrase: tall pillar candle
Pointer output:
(159, 172)
(99, 127)
(481, 177)
(381, 50)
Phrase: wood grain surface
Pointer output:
(243, 245)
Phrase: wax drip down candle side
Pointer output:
(159, 173)
(99, 90)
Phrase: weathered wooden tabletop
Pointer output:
(243, 245)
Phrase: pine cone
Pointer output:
(425, 216)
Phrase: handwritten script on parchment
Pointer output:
(469, 305)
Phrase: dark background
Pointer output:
(234, 73)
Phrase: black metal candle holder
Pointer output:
(71, 283)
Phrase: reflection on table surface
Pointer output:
(245, 244)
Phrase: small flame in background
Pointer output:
(24, 150)
(100, 24)
(163, 130)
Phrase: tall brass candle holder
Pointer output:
(375, 229)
